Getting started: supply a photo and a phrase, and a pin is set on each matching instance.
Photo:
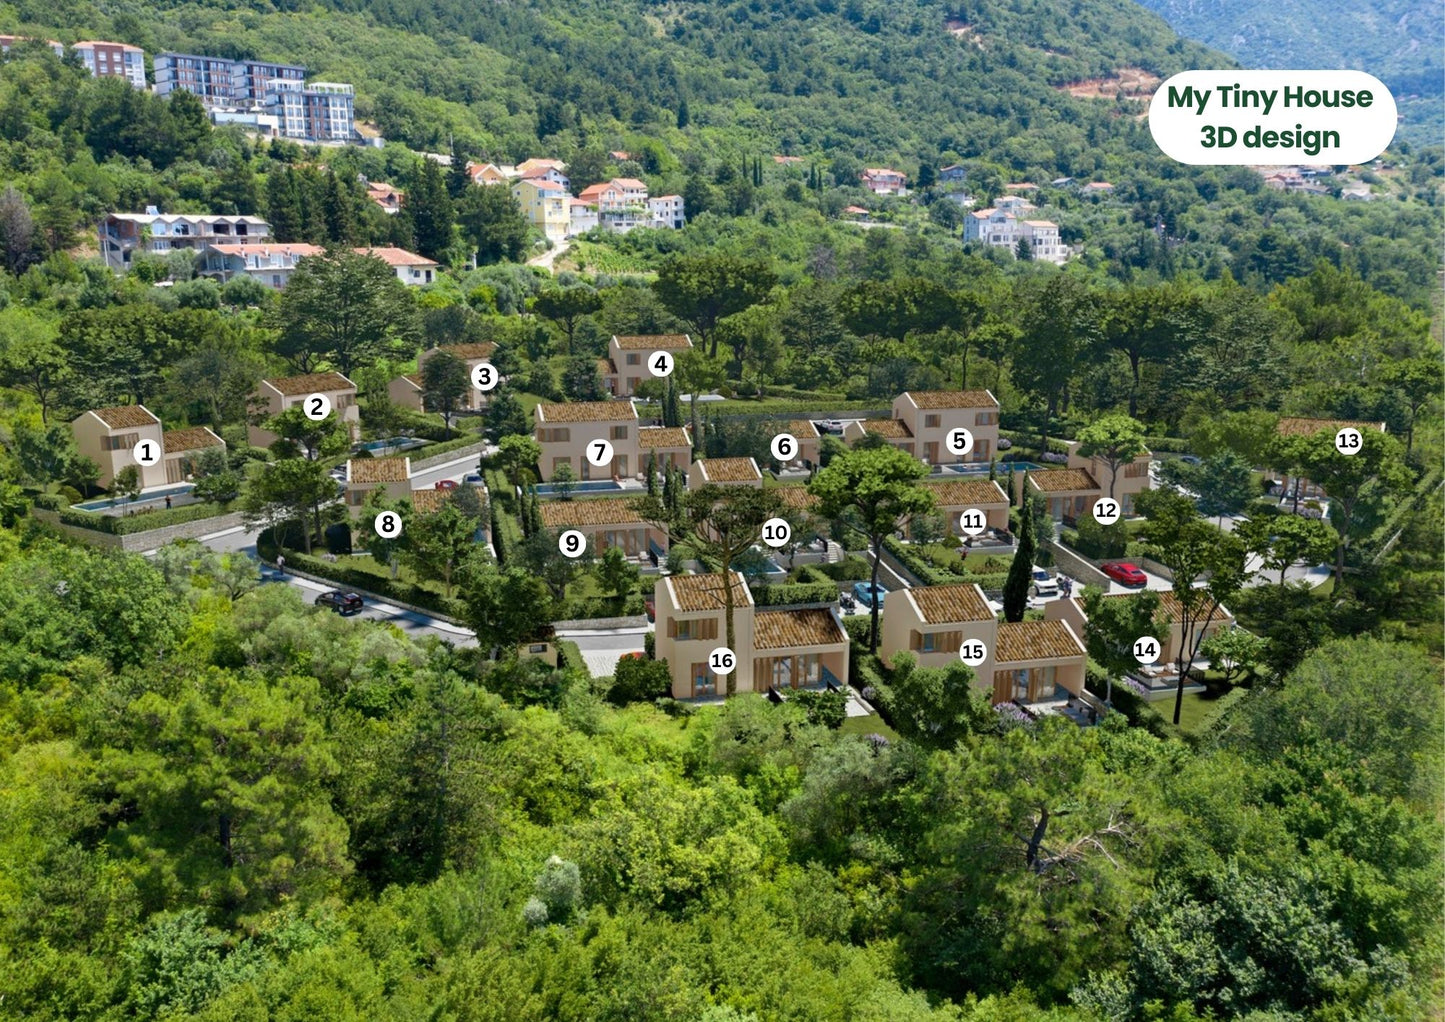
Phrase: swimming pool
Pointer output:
(981, 468)
(391, 445)
(103, 504)
(581, 486)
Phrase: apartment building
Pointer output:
(272, 265)
(155, 233)
(955, 496)
(783, 648)
(1129, 480)
(219, 81)
(931, 416)
(606, 196)
(113, 60)
(8, 42)
(725, 472)
(312, 111)
(272, 397)
(546, 206)
(1071, 612)
(668, 211)
(407, 390)
(108, 436)
(565, 430)
(626, 364)
(1027, 662)
(1002, 227)
(583, 217)
(664, 447)
(366, 475)
(606, 522)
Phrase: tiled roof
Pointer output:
(606, 367)
(1169, 604)
(803, 429)
(484, 349)
(588, 411)
(564, 514)
(595, 191)
(892, 429)
(393, 256)
(377, 470)
(967, 492)
(1308, 427)
(297, 250)
(941, 605)
(414, 379)
(426, 502)
(126, 416)
(653, 342)
(1035, 640)
(705, 592)
(630, 183)
(789, 629)
(797, 497)
(194, 439)
(730, 470)
(936, 399)
(649, 437)
(1062, 480)
(312, 383)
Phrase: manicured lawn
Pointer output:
(1191, 713)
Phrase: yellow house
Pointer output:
(545, 205)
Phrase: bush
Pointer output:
(649, 645)
(639, 680)
(790, 594)
(1167, 444)
(569, 656)
(141, 521)
(48, 501)
(849, 569)
(1101, 542)
(828, 709)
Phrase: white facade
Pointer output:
(1003, 228)
(312, 112)
(667, 211)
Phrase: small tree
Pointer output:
(615, 573)
(383, 551)
(127, 483)
(639, 680)
(1115, 440)
(562, 480)
(931, 706)
(444, 383)
(1021, 569)
(1281, 541)
(1114, 624)
(329, 436)
(435, 545)
(503, 607)
(518, 456)
(286, 490)
(1234, 652)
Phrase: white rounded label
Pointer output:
(387, 525)
(316, 407)
(147, 453)
(960, 441)
(1348, 440)
(721, 660)
(972, 522)
(776, 532)
(485, 376)
(599, 452)
(660, 364)
(1272, 118)
(572, 543)
(1146, 650)
(973, 652)
(784, 447)
(1107, 511)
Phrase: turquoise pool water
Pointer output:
(582, 486)
(151, 497)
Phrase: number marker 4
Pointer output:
(660, 364)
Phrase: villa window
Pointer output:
(701, 630)
(619, 432)
(124, 442)
(634, 358)
(932, 421)
(704, 682)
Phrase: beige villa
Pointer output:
(952, 497)
(1130, 479)
(1070, 492)
(725, 472)
(108, 437)
(931, 415)
(781, 649)
(564, 431)
(406, 391)
(627, 356)
(1071, 611)
(606, 522)
(272, 397)
(390, 475)
(1028, 661)
(809, 441)
(895, 432)
(664, 447)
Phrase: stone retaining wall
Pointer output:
(422, 464)
(148, 540)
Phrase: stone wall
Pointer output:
(422, 464)
(148, 540)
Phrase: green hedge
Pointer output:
(506, 533)
(389, 589)
(143, 521)
(499, 489)
(1167, 444)
(930, 574)
(1215, 717)
(849, 569)
(790, 594)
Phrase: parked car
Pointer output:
(446, 484)
(834, 426)
(340, 601)
(1190, 459)
(472, 479)
(867, 594)
(1044, 584)
(1125, 573)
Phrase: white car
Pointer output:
(1045, 586)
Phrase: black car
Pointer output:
(340, 601)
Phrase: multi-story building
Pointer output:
(385, 196)
(411, 269)
(626, 363)
(220, 81)
(1002, 227)
(9, 41)
(272, 397)
(407, 390)
(550, 174)
(312, 111)
(546, 206)
(606, 196)
(668, 211)
(931, 416)
(1128, 480)
(565, 430)
(153, 233)
(606, 522)
(725, 472)
(113, 60)
(782, 649)
(272, 265)
(108, 436)
(884, 181)
(1027, 662)
(365, 475)
(583, 217)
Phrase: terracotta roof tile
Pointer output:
(803, 429)
(588, 411)
(705, 592)
(1062, 480)
(653, 342)
(967, 493)
(126, 416)
(730, 470)
(790, 629)
(377, 470)
(942, 605)
(312, 383)
(566, 514)
(1169, 604)
(1035, 640)
(892, 429)
(797, 497)
(935, 399)
(425, 502)
(1308, 427)
(394, 256)
(649, 437)
(194, 439)
(483, 349)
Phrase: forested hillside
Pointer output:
(1401, 42)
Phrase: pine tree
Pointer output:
(429, 208)
(458, 180)
(283, 206)
(336, 208)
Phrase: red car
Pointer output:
(1126, 574)
(446, 484)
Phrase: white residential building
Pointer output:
(153, 233)
(1002, 227)
(667, 211)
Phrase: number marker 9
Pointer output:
(572, 543)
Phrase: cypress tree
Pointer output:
(429, 208)
(1020, 572)
(458, 180)
(336, 210)
(652, 474)
(683, 117)
(283, 205)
